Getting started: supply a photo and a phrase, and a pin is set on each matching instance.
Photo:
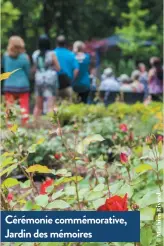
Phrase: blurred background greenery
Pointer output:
(138, 21)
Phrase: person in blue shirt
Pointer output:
(81, 84)
(17, 86)
(69, 68)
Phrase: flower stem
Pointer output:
(156, 161)
(76, 187)
(128, 171)
(4, 203)
(107, 179)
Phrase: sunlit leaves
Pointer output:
(143, 168)
(147, 213)
(38, 168)
(58, 204)
(41, 200)
(9, 182)
(81, 148)
(146, 236)
(4, 76)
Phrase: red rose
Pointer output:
(160, 139)
(123, 158)
(57, 156)
(115, 203)
(123, 127)
(45, 185)
(9, 197)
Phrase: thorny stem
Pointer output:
(94, 173)
(72, 156)
(28, 177)
(128, 171)
(156, 161)
(61, 135)
(107, 179)
(76, 187)
(5, 205)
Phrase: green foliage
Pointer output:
(127, 66)
(136, 32)
(9, 14)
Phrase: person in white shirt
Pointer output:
(125, 83)
(137, 86)
(109, 83)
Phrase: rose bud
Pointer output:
(123, 158)
(57, 156)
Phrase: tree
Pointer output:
(136, 33)
(9, 15)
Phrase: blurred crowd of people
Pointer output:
(58, 72)
(141, 80)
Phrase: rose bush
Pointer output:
(85, 167)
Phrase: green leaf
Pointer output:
(58, 204)
(99, 187)
(94, 195)
(126, 188)
(18, 244)
(10, 182)
(57, 194)
(42, 200)
(83, 192)
(36, 207)
(148, 199)
(86, 141)
(53, 244)
(68, 179)
(8, 170)
(146, 236)
(28, 206)
(38, 168)
(49, 189)
(100, 164)
(70, 191)
(147, 213)
(32, 148)
(6, 161)
(95, 244)
(143, 168)
(40, 141)
(25, 185)
(97, 203)
(116, 187)
(61, 172)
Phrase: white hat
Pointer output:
(123, 77)
(108, 71)
(135, 73)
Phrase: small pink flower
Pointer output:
(123, 127)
